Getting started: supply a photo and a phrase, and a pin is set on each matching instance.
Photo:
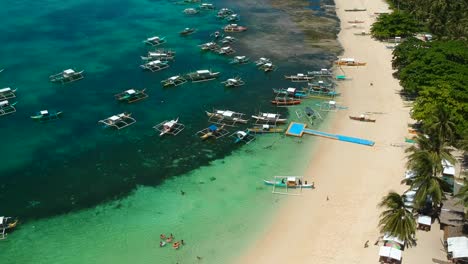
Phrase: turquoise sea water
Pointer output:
(88, 195)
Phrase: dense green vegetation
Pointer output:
(396, 24)
(396, 220)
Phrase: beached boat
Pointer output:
(67, 76)
(266, 129)
(356, 21)
(262, 61)
(7, 224)
(191, 11)
(233, 82)
(209, 46)
(243, 136)
(226, 50)
(46, 115)
(187, 31)
(234, 28)
(285, 101)
(232, 18)
(355, 10)
(289, 182)
(158, 55)
(169, 127)
(131, 96)
(239, 60)
(322, 72)
(226, 117)
(362, 118)
(154, 66)
(267, 67)
(291, 92)
(155, 41)
(300, 77)
(349, 62)
(206, 6)
(362, 33)
(7, 108)
(224, 12)
(7, 93)
(118, 121)
(269, 118)
(228, 40)
(202, 76)
(320, 86)
(174, 81)
(212, 131)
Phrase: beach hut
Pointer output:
(392, 241)
(457, 248)
(389, 255)
(424, 222)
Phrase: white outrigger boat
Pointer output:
(131, 96)
(224, 12)
(156, 55)
(262, 61)
(7, 108)
(269, 118)
(67, 76)
(267, 67)
(226, 117)
(300, 77)
(239, 60)
(118, 121)
(322, 72)
(243, 136)
(170, 127)
(209, 46)
(289, 182)
(206, 6)
(7, 93)
(228, 40)
(155, 41)
(191, 11)
(226, 50)
(174, 81)
(154, 66)
(202, 76)
(233, 82)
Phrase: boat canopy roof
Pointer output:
(331, 102)
(270, 115)
(203, 71)
(240, 57)
(320, 82)
(154, 38)
(324, 70)
(68, 71)
(229, 37)
(242, 133)
(44, 112)
(170, 123)
(155, 62)
(268, 64)
(131, 91)
(226, 48)
(266, 127)
(3, 103)
(7, 89)
(300, 74)
(227, 113)
(233, 25)
(174, 77)
(232, 80)
(291, 179)
(213, 128)
(291, 90)
(347, 59)
(114, 118)
(1, 219)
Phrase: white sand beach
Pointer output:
(332, 223)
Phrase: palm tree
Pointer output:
(463, 194)
(441, 126)
(396, 220)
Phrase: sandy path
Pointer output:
(311, 229)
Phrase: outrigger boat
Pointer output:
(232, 18)
(7, 108)
(262, 61)
(300, 77)
(212, 131)
(172, 127)
(7, 93)
(206, 6)
(269, 118)
(174, 81)
(362, 118)
(7, 224)
(46, 115)
(118, 121)
(187, 31)
(267, 67)
(265, 129)
(356, 21)
(224, 12)
(2, 70)
(209, 46)
(67, 76)
(291, 182)
(320, 86)
(243, 136)
(234, 28)
(362, 33)
(191, 11)
(355, 10)
(226, 50)
(157, 55)
(131, 96)
(349, 62)
(291, 92)
(155, 41)
(285, 101)
(310, 113)
(154, 66)
(226, 117)
(322, 72)
(233, 82)
(228, 40)
(239, 60)
(202, 76)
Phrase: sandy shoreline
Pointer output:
(353, 177)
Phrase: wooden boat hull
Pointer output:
(237, 120)
(362, 119)
(291, 102)
(48, 117)
(280, 184)
(279, 120)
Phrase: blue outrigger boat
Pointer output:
(292, 92)
(46, 115)
(289, 182)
